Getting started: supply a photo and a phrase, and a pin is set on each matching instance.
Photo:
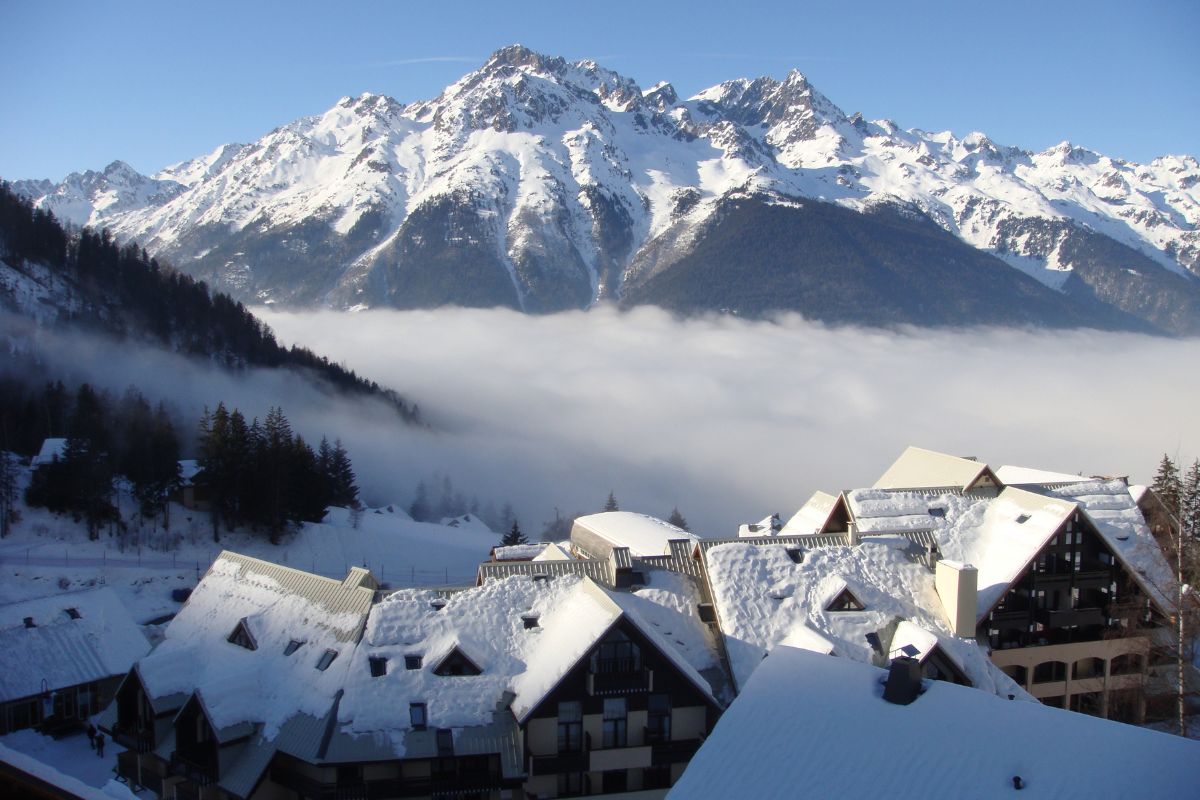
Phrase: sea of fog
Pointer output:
(731, 420)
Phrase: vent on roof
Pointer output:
(378, 666)
(707, 612)
(541, 577)
(73, 613)
(29, 622)
(326, 659)
(292, 647)
(530, 620)
(903, 681)
(937, 511)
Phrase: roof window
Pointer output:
(845, 601)
(326, 659)
(417, 716)
(796, 554)
(292, 647)
(242, 637)
(1022, 519)
(413, 661)
(530, 620)
(378, 666)
(29, 622)
(456, 664)
(73, 613)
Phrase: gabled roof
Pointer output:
(276, 605)
(813, 516)
(598, 569)
(1028, 476)
(844, 740)
(917, 468)
(642, 534)
(51, 449)
(101, 642)
(763, 598)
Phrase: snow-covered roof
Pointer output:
(78, 637)
(917, 468)
(643, 535)
(51, 449)
(552, 552)
(812, 516)
(189, 468)
(844, 740)
(763, 598)
(487, 624)
(277, 606)
(1029, 476)
(518, 552)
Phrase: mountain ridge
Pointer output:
(543, 184)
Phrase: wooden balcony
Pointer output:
(198, 773)
(132, 738)
(636, 681)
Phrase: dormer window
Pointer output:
(242, 637)
(326, 659)
(845, 601)
(292, 647)
(456, 664)
(796, 554)
(413, 661)
(378, 666)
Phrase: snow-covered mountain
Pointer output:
(543, 184)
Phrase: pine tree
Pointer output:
(1191, 501)
(344, 482)
(1166, 484)
(678, 520)
(611, 503)
(419, 510)
(514, 536)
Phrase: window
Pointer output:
(416, 716)
(456, 663)
(73, 613)
(378, 666)
(570, 727)
(845, 601)
(658, 719)
(413, 662)
(531, 621)
(292, 647)
(615, 723)
(617, 654)
(326, 659)
(570, 784)
(796, 554)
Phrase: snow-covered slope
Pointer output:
(542, 184)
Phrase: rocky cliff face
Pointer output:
(543, 184)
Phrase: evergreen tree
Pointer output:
(611, 503)
(678, 520)
(343, 482)
(1166, 484)
(514, 536)
(8, 492)
(1191, 500)
(419, 510)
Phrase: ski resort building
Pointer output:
(62, 657)
(275, 683)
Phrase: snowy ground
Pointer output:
(71, 756)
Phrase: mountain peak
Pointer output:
(518, 55)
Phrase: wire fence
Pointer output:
(398, 575)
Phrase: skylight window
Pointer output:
(530, 620)
(378, 666)
(292, 647)
(326, 659)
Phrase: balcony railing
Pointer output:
(196, 772)
(131, 738)
(641, 680)
(1073, 616)
(675, 751)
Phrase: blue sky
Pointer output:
(157, 82)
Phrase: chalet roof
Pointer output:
(764, 598)
(277, 605)
(552, 552)
(952, 741)
(1028, 476)
(813, 515)
(597, 569)
(642, 534)
(519, 665)
(917, 468)
(51, 449)
(61, 649)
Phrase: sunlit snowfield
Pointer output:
(732, 420)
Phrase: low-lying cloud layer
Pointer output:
(732, 420)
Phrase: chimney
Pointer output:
(957, 585)
(903, 681)
(852, 533)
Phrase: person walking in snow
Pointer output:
(100, 744)
(91, 733)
